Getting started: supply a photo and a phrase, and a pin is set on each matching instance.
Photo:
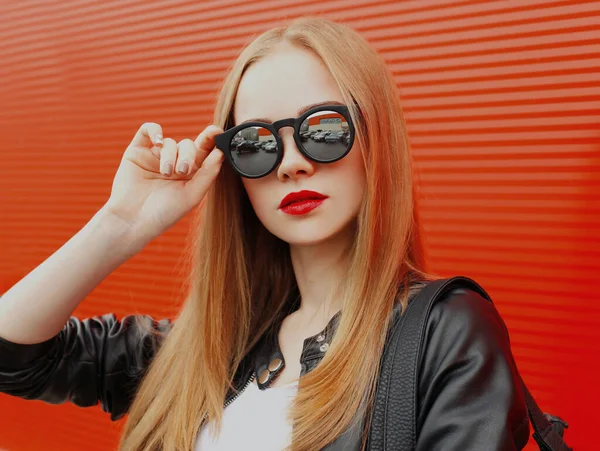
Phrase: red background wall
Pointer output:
(502, 101)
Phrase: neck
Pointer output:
(319, 269)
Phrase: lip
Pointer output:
(302, 207)
(299, 196)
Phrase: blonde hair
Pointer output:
(242, 275)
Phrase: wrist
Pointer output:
(118, 233)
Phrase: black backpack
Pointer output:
(548, 429)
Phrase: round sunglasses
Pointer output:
(323, 134)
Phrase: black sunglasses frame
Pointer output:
(223, 140)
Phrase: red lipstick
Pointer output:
(301, 202)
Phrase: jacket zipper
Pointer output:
(230, 400)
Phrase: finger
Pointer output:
(206, 142)
(168, 155)
(148, 135)
(186, 156)
(198, 185)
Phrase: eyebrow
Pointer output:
(301, 111)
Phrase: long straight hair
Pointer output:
(242, 274)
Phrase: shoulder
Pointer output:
(464, 326)
(465, 312)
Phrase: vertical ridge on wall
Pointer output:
(502, 104)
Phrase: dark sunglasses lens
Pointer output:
(254, 150)
(325, 135)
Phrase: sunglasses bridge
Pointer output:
(290, 122)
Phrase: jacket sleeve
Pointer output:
(470, 393)
(99, 359)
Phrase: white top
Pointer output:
(256, 419)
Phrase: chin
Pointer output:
(297, 240)
(304, 234)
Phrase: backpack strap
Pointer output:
(548, 429)
(400, 367)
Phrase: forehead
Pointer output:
(281, 83)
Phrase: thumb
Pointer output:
(199, 184)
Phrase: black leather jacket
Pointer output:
(469, 394)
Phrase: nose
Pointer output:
(293, 164)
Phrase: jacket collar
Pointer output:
(269, 361)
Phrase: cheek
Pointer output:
(354, 170)
(257, 193)
(356, 179)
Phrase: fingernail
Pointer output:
(158, 139)
(168, 169)
(183, 168)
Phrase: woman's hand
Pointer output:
(158, 182)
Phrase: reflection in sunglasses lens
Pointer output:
(254, 150)
(325, 135)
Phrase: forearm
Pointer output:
(38, 306)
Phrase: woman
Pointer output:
(306, 246)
